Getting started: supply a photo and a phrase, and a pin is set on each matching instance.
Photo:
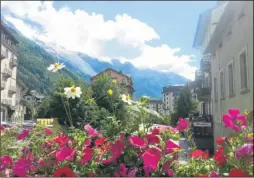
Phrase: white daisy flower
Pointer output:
(126, 98)
(55, 67)
(72, 92)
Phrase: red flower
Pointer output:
(137, 142)
(171, 146)
(116, 151)
(154, 151)
(199, 154)
(151, 160)
(23, 134)
(2, 127)
(61, 139)
(22, 166)
(219, 157)
(123, 170)
(64, 172)
(152, 139)
(234, 120)
(65, 153)
(156, 131)
(48, 131)
(87, 142)
(5, 161)
(182, 125)
(91, 131)
(100, 141)
(220, 141)
(170, 173)
(234, 172)
(88, 154)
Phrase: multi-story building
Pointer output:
(170, 95)
(156, 105)
(226, 33)
(20, 109)
(119, 77)
(9, 56)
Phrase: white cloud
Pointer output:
(89, 33)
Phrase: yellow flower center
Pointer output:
(56, 65)
(128, 97)
(73, 89)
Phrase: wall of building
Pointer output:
(241, 38)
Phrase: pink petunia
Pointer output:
(91, 131)
(171, 146)
(116, 151)
(87, 156)
(48, 131)
(5, 161)
(137, 142)
(87, 142)
(132, 172)
(151, 160)
(214, 174)
(155, 151)
(152, 139)
(64, 153)
(22, 166)
(99, 141)
(148, 170)
(170, 173)
(61, 139)
(245, 151)
(156, 131)
(23, 134)
(234, 120)
(123, 170)
(182, 125)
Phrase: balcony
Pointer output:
(204, 94)
(3, 54)
(199, 75)
(205, 63)
(14, 62)
(12, 89)
(7, 72)
(3, 85)
(6, 102)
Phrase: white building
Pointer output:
(8, 72)
(20, 109)
(170, 95)
(226, 32)
(156, 105)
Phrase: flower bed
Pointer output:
(48, 152)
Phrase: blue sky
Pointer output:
(152, 34)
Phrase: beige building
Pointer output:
(156, 105)
(8, 72)
(170, 95)
(119, 77)
(227, 36)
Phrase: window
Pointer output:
(222, 88)
(215, 90)
(230, 80)
(243, 70)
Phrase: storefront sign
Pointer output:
(202, 124)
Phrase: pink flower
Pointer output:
(91, 131)
(100, 141)
(214, 174)
(137, 142)
(48, 131)
(132, 172)
(156, 131)
(182, 125)
(170, 173)
(155, 151)
(148, 170)
(234, 120)
(245, 151)
(151, 160)
(88, 154)
(167, 164)
(171, 146)
(22, 166)
(61, 139)
(5, 161)
(152, 139)
(2, 128)
(23, 134)
(64, 153)
(87, 142)
(116, 151)
(123, 170)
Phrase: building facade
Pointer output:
(9, 62)
(20, 109)
(156, 105)
(230, 66)
(170, 95)
(120, 78)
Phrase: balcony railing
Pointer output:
(6, 102)
(7, 72)
(204, 94)
(3, 85)
(14, 62)
(199, 75)
(12, 89)
(205, 63)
